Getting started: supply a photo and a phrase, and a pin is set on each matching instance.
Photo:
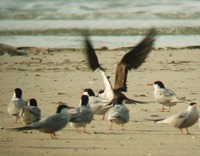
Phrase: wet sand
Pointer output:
(59, 75)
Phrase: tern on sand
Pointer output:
(51, 124)
(82, 115)
(31, 113)
(183, 119)
(165, 96)
(16, 104)
(99, 105)
(119, 114)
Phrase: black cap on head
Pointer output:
(33, 102)
(60, 107)
(18, 92)
(161, 85)
(192, 104)
(84, 100)
(89, 91)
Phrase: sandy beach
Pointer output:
(60, 75)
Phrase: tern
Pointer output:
(16, 104)
(165, 96)
(82, 115)
(51, 124)
(184, 119)
(119, 114)
(99, 105)
(131, 60)
(30, 114)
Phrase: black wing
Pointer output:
(91, 55)
(135, 57)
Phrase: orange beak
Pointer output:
(150, 84)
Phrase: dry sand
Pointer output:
(60, 76)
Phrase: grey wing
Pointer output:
(103, 108)
(82, 116)
(177, 119)
(73, 116)
(121, 113)
(27, 116)
(124, 113)
(168, 92)
(170, 96)
(36, 112)
(52, 122)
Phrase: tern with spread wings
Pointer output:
(131, 60)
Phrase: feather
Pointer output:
(92, 57)
(135, 57)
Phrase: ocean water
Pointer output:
(111, 23)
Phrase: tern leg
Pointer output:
(181, 131)
(17, 117)
(123, 127)
(85, 129)
(110, 128)
(188, 133)
(163, 109)
(103, 117)
(169, 109)
(53, 135)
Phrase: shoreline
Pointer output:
(22, 50)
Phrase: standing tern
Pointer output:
(30, 114)
(165, 96)
(99, 105)
(51, 124)
(131, 60)
(119, 114)
(16, 104)
(82, 115)
(183, 119)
